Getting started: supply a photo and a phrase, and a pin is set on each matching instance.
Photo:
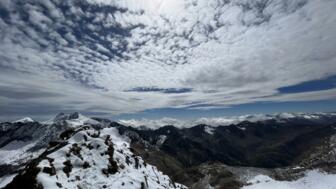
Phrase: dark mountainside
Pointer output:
(198, 156)
(270, 145)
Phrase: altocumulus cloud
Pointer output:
(110, 56)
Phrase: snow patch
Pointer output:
(312, 180)
(209, 130)
(161, 140)
(6, 180)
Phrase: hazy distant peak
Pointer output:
(73, 119)
(24, 120)
(225, 121)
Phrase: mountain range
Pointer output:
(75, 151)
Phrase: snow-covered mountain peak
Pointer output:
(24, 120)
(94, 159)
(73, 120)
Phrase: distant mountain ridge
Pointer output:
(212, 121)
(225, 121)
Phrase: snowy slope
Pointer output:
(17, 152)
(97, 159)
(6, 179)
(312, 180)
(24, 139)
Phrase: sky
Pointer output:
(134, 59)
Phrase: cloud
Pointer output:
(153, 124)
(155, 89)
(328, 94)
(99, 55)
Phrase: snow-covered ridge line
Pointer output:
(24, 120)
(93, 159)
(76, 119)
(223, 121)
(20, 151)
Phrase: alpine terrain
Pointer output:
(74, 151)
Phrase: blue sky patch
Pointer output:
(316, 85)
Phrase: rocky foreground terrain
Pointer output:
(74, 151)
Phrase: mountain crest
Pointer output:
(24, 120)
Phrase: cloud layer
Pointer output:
(127, 56)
